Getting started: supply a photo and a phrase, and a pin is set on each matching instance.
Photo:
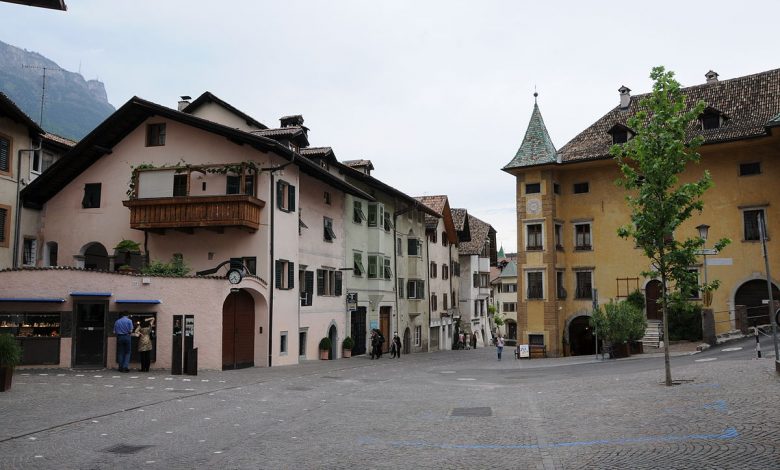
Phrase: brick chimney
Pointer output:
(184, 102)
(712, 77)
(625, 96)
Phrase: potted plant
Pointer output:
(325, 346)
(123, 258)
(10, 355)
(347, 344)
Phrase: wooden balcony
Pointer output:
(187, 213)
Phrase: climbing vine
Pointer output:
(183, 167)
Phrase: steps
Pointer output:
(652, 334)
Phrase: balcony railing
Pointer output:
(190, 212)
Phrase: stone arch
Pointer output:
(579, 335)
(333, 335)
(751, 292)
(94, 255)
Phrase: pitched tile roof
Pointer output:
(459, 217)
(537, 147)
(209, 97)
(750, 102)
(436, 203)
(359, 163)
(480, 231)
(9, 109)
(59, 139)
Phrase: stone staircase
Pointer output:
(652, 334)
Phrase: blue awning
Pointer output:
(138, 301)
(41, 300)
(91, 294)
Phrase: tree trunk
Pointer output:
(665, 308)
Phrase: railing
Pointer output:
(189, 212)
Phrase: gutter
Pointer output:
(18, 215)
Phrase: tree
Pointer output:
(651, 163)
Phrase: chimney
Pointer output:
(184, 102)
(625, 96)
(712, 77)
(295, 120)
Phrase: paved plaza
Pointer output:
(453, 409)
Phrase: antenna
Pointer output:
(43, 86)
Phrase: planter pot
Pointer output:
(636, 347)
(620, 350)
(6, 374)
(324, 355)
(346, 354)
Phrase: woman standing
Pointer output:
(144, 333)
(499, 345)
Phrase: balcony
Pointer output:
(186, 213)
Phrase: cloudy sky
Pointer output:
(436, 93)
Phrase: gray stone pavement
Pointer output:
(453, 409)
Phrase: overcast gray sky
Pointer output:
(436, 93)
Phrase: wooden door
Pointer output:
(652, 297)
(384, 327)
(358, 329)
(238, 328)
(90, 335)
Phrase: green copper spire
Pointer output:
(501, 254)
(537, 147)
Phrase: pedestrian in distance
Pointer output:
(123, 328)
(461, 340)
(145, 333)
(499, 345)
(395, 346)
(473, 341)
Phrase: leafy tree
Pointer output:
(651, 163)
(175, 267)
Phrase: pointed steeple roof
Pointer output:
(501, 254)
(537, 147)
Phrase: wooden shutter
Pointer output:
(320, 281)
(290, 197)
(279, 194)
(290, 275)
(5, 155)
(278, 274)
(338, 283)
(309, 286)
(3, 221)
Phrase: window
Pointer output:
(357, 212)
(329, 282)
(327, 226)
(285, 196)
(413, 247)
(509, 307)
(584, 285)
(444, 239)
(445, 271)
(475, 279)
(484, 280)
(417, 335)
(248, 262)
(556, 188)
(710, 120)
(180, 185)
(401, 288)
(433, 269)
(533, 237)
(750, 219)
(432, 237)
(387, 222)
(400, 247)
(533, 188)
(747, 169)
(357, 264)
(434, 303)
(388, 270)
(375, 214)
(535, 283)
(283, 343)
(558, 236)
(373, 266)
(536, 340)
(560, 289)
(581, 188)
(415, 289)
(456, 268)
(36, 163)
(233, 185)
(91, 198)
(619, 136)
(284, 275)
(5, 155)
(306, 289)
(508, 288)
(694, 291)
(5, 225)
(582, 237)
(326, 197)
(29, 251)
(444, 305)
(155, 135)
(302, 343)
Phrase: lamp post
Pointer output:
(771, 306)
(704, 231)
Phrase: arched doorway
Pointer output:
(752, 295)
(238, 327)
(407, 346)
(581, 337)
(653, 294)
(334, 338)
(96, 257)
(511, 330)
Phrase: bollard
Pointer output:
(758, 344)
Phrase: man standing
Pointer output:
(122, 329)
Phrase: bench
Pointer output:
(536, 351)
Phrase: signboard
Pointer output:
(707, 251)
(374, 324)
(522, 351)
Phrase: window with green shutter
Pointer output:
(5, 155)
(285, 196)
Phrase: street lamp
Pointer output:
(704, 230)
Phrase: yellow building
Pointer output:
(569, 209)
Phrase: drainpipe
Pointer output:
(452, 300)
(427, 270)
(18, 215)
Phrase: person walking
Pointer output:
(396, 346)
(123, 327)
(144, 333)
(499, 345)
(461, 340)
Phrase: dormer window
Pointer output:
(620, 134)
(711, 118)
